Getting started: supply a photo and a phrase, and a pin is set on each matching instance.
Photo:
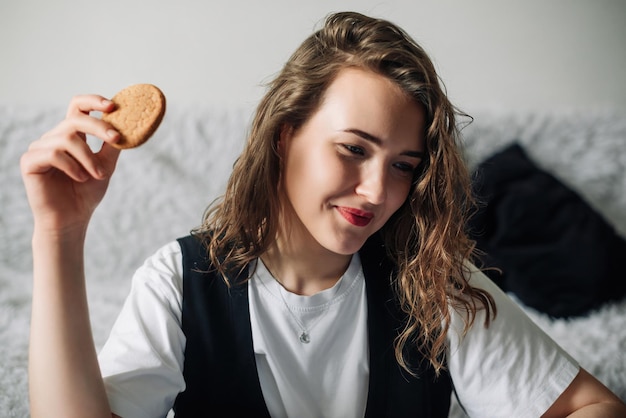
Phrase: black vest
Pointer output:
(220, 369)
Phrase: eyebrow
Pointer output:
(378, 141)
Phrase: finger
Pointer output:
(74, 146)
(42, 161)
(107, 159)
(84, 104)
(77, 127)
(92, 163)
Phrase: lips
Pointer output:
(355, 216)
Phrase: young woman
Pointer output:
(334, 278)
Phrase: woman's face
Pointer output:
(351, 165)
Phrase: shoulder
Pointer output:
(166, 259)
(161, 274)
(514, 362)
(194, 251)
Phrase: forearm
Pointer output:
(604, 410)
(63, 368)
(587, 397)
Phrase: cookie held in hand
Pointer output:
(138, 112)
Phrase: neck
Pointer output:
(303, 271)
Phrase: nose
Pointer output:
(373, 185)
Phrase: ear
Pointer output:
(286, 132)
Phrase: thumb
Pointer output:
(107, 158)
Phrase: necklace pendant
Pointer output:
(304, 337)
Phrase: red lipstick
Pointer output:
(355, 216)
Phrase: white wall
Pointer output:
(514, 54)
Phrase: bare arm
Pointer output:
(64, 182)
(63, 369)
(587, 397)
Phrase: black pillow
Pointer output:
(556, 253)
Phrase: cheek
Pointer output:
(314, 171)
(300, 171)
(301, 180)
(398, 194)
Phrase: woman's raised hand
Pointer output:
(65, 179)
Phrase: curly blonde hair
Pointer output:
(425, 238)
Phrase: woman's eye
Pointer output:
(353, 149)
(405, 167)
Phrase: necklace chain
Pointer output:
(305, 333)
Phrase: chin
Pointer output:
(346, 247)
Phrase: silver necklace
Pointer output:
(305, 333)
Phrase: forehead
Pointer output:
(367, 101)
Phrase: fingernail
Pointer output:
(107, 104)
(100, 171)
(112, 134)
(83, 176)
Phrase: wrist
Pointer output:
(50, 231)
(58, 260)
(68, 240)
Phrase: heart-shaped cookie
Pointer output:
(138, 112)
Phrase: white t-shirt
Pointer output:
(510, 369)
